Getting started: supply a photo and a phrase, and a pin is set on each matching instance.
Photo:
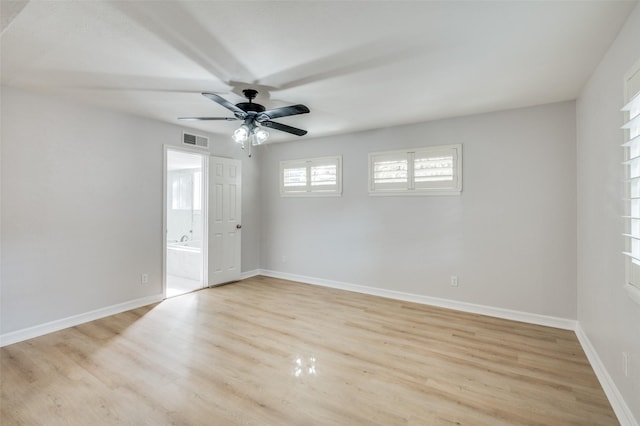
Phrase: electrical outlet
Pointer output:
(625, 363)
(454, 281)
(144, 278)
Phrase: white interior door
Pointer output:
(224, 220)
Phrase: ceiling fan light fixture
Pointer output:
(260, 135)
(255, 118)
(241, 134)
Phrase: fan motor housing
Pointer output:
(250, 106)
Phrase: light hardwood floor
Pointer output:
(271, 352)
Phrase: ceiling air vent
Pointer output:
(195, 140)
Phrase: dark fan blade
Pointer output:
(283, 112)
(225, 103)
(207, 118)
(284, 128)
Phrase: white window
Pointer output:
(186, 190)
(434, 170)
(632, 172)
(311, 176)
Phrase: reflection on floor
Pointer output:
(178, 285)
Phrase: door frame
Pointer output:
(205, 212)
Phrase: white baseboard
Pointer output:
(624, 414)
(549, 321)
(50, 327)
(249, 274)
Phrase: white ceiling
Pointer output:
(356, 64)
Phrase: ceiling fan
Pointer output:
(255, 116)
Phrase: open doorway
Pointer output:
(185, 221)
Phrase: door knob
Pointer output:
(238, 226)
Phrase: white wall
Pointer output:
(82, 207)
(510, 237)
(607, 315)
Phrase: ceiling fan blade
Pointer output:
(284, 128)
(228, 105)
(207, 118)
(283, 112)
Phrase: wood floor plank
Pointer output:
(265, 351)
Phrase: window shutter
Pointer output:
(425, 171)
(632, 172)
(436, 169)
(312, 176)
(390, 171)
(294, 178)
(324, 175)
